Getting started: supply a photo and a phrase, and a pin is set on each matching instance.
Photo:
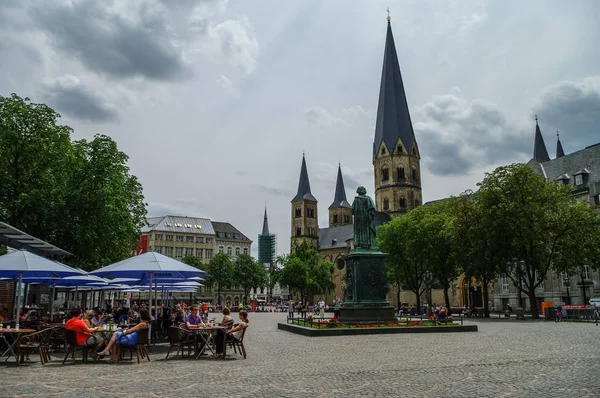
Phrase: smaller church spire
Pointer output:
(540, 153)
(265, 230)
(559, 149)
(304, 184)
(339, 199)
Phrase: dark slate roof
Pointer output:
(572, 163)
(265, 230)
(227, 228)
(540, 153)
(559, 149)
(393, 118)
(335, 237)
(339, 199)
(304, 185)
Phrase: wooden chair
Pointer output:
(38, 341)
(141, 348)
(237, 344)
(73, 347)
(180, 338)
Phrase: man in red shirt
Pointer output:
(84, 334)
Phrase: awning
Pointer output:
(17, 239)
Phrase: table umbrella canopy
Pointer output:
(151, 263)
(28, 265)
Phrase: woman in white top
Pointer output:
(235, 333)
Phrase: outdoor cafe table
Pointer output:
(205, 337)
(19, 333)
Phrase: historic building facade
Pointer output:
(580, 169)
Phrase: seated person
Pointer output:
(98, 319)
(88, 319)
(84, 333)
(233, 334)
(193, 320)
(178, 318)
(227, 320)
(442, 315)
(127, 337)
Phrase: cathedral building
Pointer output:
(396, 162)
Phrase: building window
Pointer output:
(236, 236)
(228, 235)
(298, 231)
(169, 251)
(415, 151)
(310, 213)
(245, 250)
(383, 151)
(199, 239)
(386, 204)
(335, 218)
(158, 236)
(399, 148)
(237, 251)
(199, 253)
(415, 176)
(220, 234)
(298, 212)
(400, 174)
(189, 239)
(229, 250)
(179, 238)
(208, 240)
(578, 179)
(586, 272)
(403, 203)
(565, 280)
(221, 249)
(385, 174)
(504, 281)
(169, 237)
(189, 251)
(158, 249)
(346, 219)
(416, 203)
(178, 252)
(597, 200)
(209, 253)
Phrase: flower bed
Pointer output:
(333, 323)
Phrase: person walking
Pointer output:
(321, 306)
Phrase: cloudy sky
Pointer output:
(215, 101)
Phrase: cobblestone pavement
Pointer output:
(504, 359)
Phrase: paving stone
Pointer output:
(504, 359)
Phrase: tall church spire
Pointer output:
(393, 117)
(265, 230)
(339, 199)
(559, 149)
(304, 185)
(540, 153)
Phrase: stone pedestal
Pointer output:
(365, 300)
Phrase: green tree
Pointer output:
(248, 274)
(581, 248)
(220, 273)
(76, 195)
(193, 261)
(530, 220)
(305, 271)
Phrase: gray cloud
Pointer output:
(573, 108)
(108, 43)
(69, 96)
(274, 191)
(457, 135)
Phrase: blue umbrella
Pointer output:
(25, 264)
(149, 265)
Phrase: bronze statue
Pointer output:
(363, 210)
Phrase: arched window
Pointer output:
(298, 231)
(335, 218)
(347, 219)
(298, 212)
(415, 176)
(386, 203)
(382, 151)
(399, 148)
(403, 203)
(385, 174)
(400, 173)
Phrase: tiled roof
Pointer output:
(179, 224)
(335, 237)
(226, 228)
(572, 163)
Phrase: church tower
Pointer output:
(396, 156)
(340, 211)
(540, 153)
(305, 222)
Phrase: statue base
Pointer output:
(366, 289)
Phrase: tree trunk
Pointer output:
(418, 300)
(398, 294)
(486, 298)
(533, 304)
(447, 297)
(583, 289)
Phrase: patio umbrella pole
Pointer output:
(155, 299)
(150, 293)
(52, 300)
(19, 297)
(77, 296)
